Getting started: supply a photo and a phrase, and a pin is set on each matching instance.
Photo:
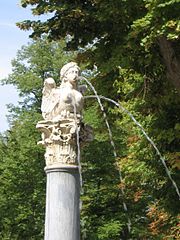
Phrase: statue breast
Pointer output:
(67, 101)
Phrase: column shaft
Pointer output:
(62, 204)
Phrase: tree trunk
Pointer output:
(171, 61)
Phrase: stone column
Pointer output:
(63, 181)
(62, 203)
(62, 134)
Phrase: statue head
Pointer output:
(70, 73)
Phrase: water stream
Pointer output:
(99, 98)
(78, 145)
(114, 150)
(147, 137)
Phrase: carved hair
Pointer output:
(66, 68)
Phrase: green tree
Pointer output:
(135, 46)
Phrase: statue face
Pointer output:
(72, 74)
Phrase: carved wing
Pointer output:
(49, 98)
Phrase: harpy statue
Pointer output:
(62, 127)
(65, 100)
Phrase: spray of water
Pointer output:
(147, 137)
(78, 143)
(114, 149)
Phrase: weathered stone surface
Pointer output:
(62, 125)
(60, 141)
(65, 100)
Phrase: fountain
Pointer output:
(62, 133)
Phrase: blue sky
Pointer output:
(11, 40)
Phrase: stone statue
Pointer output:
(62, 113)
(63, 101)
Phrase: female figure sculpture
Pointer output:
(65, 100)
